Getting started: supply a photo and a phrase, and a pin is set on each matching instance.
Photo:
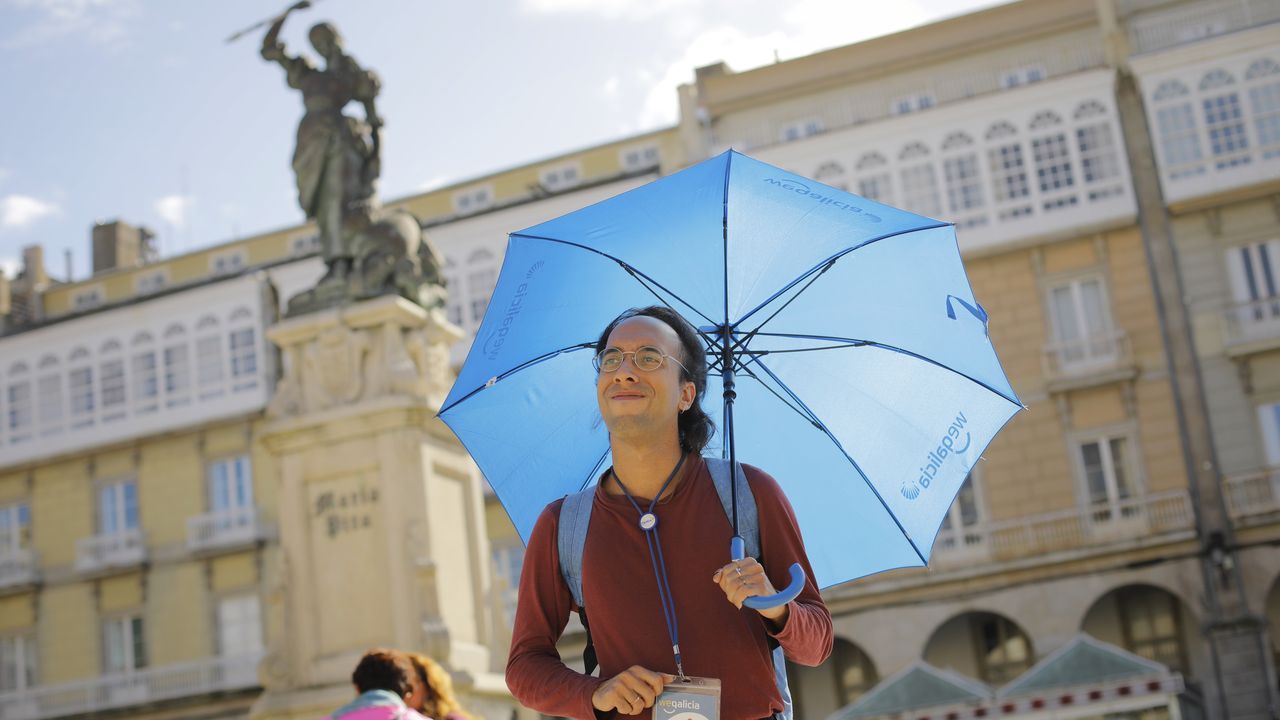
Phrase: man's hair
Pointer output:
(694, 425)
(382, 669)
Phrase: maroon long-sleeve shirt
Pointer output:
(621, 595)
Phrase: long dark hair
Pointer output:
(694, 425)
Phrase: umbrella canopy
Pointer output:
(866, 383)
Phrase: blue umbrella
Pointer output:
(852, 357)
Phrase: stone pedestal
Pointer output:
(382, 536)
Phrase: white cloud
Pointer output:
(610, 89)
(100, 22)
(9, 267)
(20, 211)
(174, 208)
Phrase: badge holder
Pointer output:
(689, 698)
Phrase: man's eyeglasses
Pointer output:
(647, 358)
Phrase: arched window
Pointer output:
(846, 676)
(80, 387)
(111, 381)
(831, 173)
(1223, 120)
(143, 372)
(210, 366)
(1099, 154)
(49, 403)
(873, 178)
(481, 277)
(177, 367)
(1263, 77)
(1010, 188)
(242, 345)
(18, 420)
(919, 180)
(983, 645)
(1146, 621)
(1176, 127)
(964, 183)
(1055, 177)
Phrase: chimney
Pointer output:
(33, 271)
(117, 244)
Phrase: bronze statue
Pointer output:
(336, 159)
(336, 162)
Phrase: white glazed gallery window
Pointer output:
(19, 421)
(1052, 158)
(15, 527)
(177, 367)
(244, 357)
(1176, 127)
(124, 647)
(117, 507)
(919, 181)
(481, 278)
(963, 180)
(111, 374)
(80, 389)
(873, 178)
(49, 405)
(18, 663)
(1263, 78)
(210, 366)
(1109, 480)
(144, 374)
(1007, 166)
(1224, 120)
(230, 484)
(239, 626)
(1082, 327)
(1099, 155)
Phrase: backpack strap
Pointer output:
(575, 517)
(748, 518)
(571, 540)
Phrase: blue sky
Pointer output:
(139, 109)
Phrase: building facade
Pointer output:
(1112, 169)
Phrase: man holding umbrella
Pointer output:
(663, 603)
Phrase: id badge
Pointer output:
(692, 698)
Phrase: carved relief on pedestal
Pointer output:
(381, 348)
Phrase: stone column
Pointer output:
(381, 511)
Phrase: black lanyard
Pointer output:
(649, 524)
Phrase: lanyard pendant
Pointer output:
(648, 521)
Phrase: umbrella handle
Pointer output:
(738, 550)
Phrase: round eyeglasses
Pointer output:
(647, 358)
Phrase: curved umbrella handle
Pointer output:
(738, 550)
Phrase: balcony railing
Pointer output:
(1197, 21)
(1153, 515)
(1254, 495)
(1097, 354)
(101, 552)
(224, 529)
(18, 566)
(166, 682)
(1251, 322)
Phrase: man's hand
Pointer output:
(630, 691)
(745, 578)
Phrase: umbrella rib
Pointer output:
(822, 426)
(853, 342)
(820, 266)
(747, 338)
(798, 410)
(504, 375)
(628, 268)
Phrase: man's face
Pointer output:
(635, 403)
